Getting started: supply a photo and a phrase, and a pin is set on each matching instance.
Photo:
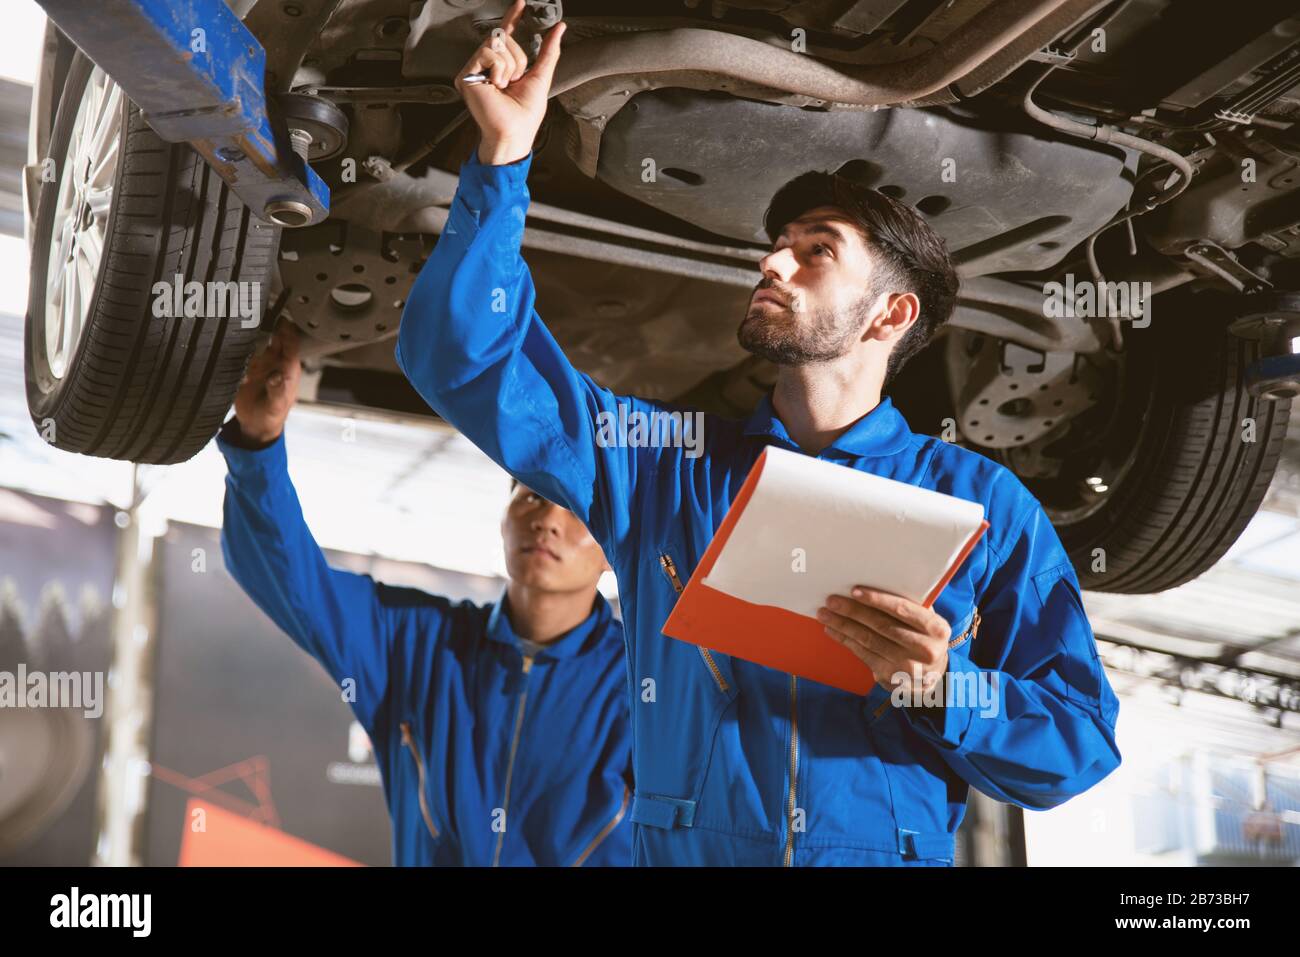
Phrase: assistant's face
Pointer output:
(812, 302)
(547, 546)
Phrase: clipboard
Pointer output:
(769, 635)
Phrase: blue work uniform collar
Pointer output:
(573, 642)
(882, 431)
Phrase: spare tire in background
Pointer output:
(45, 756)
(1183, 481)
(126, 210)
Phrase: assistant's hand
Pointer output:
(902, 642)
(270, 387)
(509, 109)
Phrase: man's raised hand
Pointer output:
(270, 387)
(510, 107)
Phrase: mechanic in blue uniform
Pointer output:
(501, 730)
(736, 763)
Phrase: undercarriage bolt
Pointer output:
(301, 142)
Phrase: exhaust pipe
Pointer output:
(765, 64)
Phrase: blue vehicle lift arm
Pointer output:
(197, 74)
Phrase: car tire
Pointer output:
(105, 377)
(1201, 452)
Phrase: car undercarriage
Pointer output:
(1118, 184)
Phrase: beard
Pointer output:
(791, 335)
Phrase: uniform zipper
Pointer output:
(604, 831)
(409, 741)
(510, 767)
(670, 569)
(968, 633)
(794, 771)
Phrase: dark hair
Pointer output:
(913, 256)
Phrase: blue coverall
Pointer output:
(487, 756)
(736, 763)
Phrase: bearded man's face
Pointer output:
(815, 297)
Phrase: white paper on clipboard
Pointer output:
(845, 528)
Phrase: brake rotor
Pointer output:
(1014, 396)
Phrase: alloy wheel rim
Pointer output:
(80, 226)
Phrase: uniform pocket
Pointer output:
(412, 746)
(921, 786)
(719, 670)
(1061, 612)
(967, 632)
(605, 829)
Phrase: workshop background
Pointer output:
(106, 566)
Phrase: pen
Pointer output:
(474, 78)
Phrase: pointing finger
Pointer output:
(512, 17)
